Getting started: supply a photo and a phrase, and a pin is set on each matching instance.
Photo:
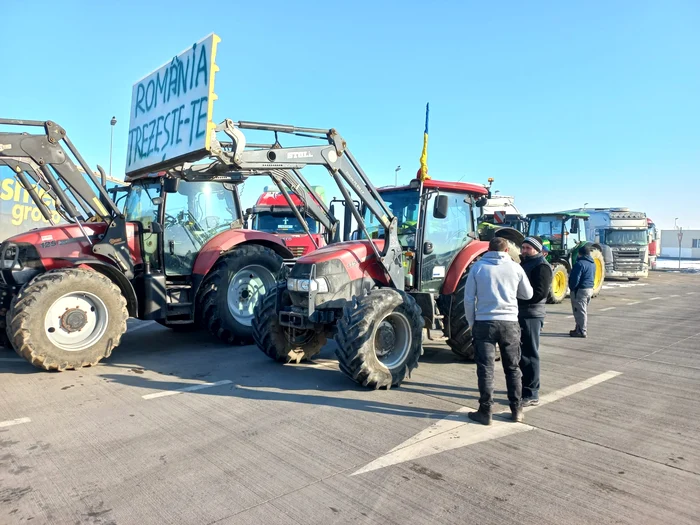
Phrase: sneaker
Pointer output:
(480, 416)
(574, 333)
(530, 402)
(517, 414)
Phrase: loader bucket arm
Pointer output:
(43, 159)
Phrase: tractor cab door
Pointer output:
(142, 206)
(574, 232)
(194, 214)
(444, 237)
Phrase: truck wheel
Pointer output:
(67, 319)
(278, 342)
(457, 330)
(232, 288)
(599, 261)
(560, 283)
(380, 338)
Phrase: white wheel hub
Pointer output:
(246, 288)
(76, 321)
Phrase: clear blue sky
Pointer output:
(561, 102)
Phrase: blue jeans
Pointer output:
(507, 335)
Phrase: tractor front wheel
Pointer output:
(232, 289)
(560, 283)
(380, 338)
(67, 319)
(279, 342)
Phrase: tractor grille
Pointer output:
(628, 260)
(297, 251)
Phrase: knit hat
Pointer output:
(535, 242)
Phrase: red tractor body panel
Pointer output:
(357, 257)
(300, 244)
(229, 239)
(58, 245)
(460, 263)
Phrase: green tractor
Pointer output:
(563, 234)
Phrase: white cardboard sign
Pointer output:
(172, 109)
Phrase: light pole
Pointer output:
(675, 223)
(113, 122)
(396, 175)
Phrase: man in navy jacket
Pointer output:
(581, 282)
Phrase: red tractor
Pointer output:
(405, 268)
(176, 254)
(272, 214)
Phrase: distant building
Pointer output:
(690, 246)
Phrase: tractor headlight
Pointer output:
(9, 255)
(307, 285)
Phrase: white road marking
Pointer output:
(323, 363)
(636, 302)
(455, 431)
(611, 285)
(12, 360)
(569, 316)
(655, 298)
(608, 308)
(13, 422)
(192, 388)
(689, 293)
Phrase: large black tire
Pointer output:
(98, 300)
(247, 265)
(457, 329)
(278, 342)
(599, 260)
(559, 286)
(381, 318)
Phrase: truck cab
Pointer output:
(272, 214)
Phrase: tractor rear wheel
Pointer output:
(67, 319)
(380, 338)
(560, 283)
(599, 261)
(457, 329)
(279, 342)
(232, 288)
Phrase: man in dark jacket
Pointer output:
(581, 282)
(531, 313)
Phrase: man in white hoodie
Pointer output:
(494, 285)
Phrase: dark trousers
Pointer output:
(507, 335)
(530, 355)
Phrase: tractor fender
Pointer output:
(460, 263)
(117, 277)
(226, 241)
(563, 262)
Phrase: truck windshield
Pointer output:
(624, 237)
(276, 223)
(404, 205)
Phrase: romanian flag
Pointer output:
(424, 155)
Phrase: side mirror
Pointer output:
(442, 204)
(171, 184)
(428, 248)
(332, 209)
(574, 227)
(483, 201)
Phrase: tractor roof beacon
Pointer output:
(177, 254)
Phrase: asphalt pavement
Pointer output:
(179, 429)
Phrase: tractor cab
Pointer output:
(562, 232)
(435, 222)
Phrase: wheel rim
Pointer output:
(247, 287)
(392, 339)
(598, 273)
(560, 283)
(76, 321)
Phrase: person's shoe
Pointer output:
(574, 333)
(517, 414)
(480, 416)
(530, 402)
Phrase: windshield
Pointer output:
(624, 237)
(288, 223)
(547, 227)
(404, 205)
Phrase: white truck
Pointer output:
(624, 237)
(500, 210)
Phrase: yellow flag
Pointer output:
(424, 155)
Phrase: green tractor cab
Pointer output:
(563, 234)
